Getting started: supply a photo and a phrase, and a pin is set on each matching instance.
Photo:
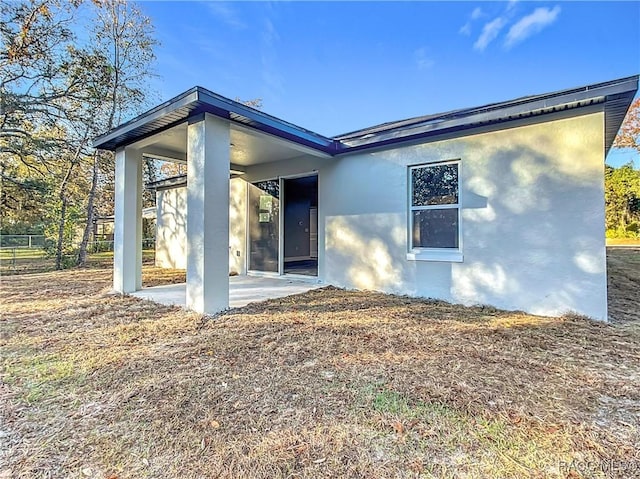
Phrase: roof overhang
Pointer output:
(614, 97)
(198, 101)
(167, 183)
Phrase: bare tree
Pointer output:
(124, 40)
(56, 95)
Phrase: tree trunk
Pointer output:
(62, 194)
(60, 242)
(82, 253)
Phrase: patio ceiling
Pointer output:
(196, 102)
(248, 147)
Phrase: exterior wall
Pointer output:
(532, 209)
(532, 200)
(171, 227)
(237, 226)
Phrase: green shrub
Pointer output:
(632, 231)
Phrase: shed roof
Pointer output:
(615, 97)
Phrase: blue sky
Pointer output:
(334, 67)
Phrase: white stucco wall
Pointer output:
(171, 227)
(532, 201)
(237, 225)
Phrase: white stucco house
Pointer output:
(501, 204)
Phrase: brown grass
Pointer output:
(326, 384)
(624, 284)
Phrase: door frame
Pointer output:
(247, 259)
(281, 239)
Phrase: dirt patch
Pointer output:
(329, 383)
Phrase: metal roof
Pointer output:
(615, 97)
(197, 101)
(166, 183)
(173, 182)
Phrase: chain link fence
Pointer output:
(22, 241)
(32, 253)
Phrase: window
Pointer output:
(435, 212)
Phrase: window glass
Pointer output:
(270, 187)
(434, 185)
(435, 228)
(264, 214)
(435, 207)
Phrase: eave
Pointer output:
(614, 97)
(198, 101)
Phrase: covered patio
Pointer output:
(242, 290)
(218, 139)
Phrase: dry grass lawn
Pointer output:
(330, 383)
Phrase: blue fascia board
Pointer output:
(197, 101)
(259, 119)
(616, 95)
(493, 114)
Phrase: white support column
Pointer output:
(208, 145)
(127, 240)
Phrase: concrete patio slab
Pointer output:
(242, 290)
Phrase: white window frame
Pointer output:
(418, 253)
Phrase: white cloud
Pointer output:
(271, 77)
(423, 61)
(489, 33)
(531, 24)
(227, 14)
(477, 13)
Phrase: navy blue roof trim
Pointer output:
(197, 101)
(615, 95)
